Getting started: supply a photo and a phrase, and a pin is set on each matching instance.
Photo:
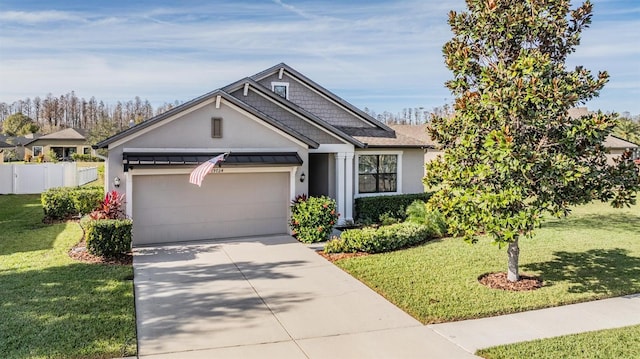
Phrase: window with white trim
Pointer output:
(281, 89)
(37, 150)
(377, 173)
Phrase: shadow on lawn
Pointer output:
(615, 222)
(602, 271)
(67, 311)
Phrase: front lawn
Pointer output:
(592, 254)
(619, 343)
(50, 305)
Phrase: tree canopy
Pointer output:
(511, 151)
(19, 124)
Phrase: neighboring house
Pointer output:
(63, 143)
(3, 148)
(19, 143)
(615, 146)
(286, 136)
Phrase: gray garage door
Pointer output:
(167, 208)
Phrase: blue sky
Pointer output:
(384, 55)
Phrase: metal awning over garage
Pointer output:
(254, 159)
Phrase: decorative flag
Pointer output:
(197, 175)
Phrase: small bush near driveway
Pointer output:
(313, 218)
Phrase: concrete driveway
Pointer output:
(267, 297)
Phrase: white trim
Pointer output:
(160, 123)
(333, 148)
(285, 84)
(340, 184)
(245, 92)
(348, 176)
(280, 73)
(218, 101)
(128, 179)
(197, 150)
(357, 173)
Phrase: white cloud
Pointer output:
(21, 17)
(376, 54)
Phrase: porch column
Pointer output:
(348, 215)
(128, 197)
(340, 183)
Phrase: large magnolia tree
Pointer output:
(511, 152)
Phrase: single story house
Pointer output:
(63, 143)
(4, 147)
(18, 144)
(285, 134)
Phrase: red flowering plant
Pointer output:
(110, 208)
(313, 218)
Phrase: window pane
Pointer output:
(37, 150)
(367, 164)
(280, 90)
(388, 163)
(367, 183)
(387, 182)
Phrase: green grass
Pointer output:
(50, 305)
(620, 343)
(592, 254)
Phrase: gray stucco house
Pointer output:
(286, 135)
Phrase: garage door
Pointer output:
(167, 208)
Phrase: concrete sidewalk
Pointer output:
(272, 297)
(267, 297)
(472, 335)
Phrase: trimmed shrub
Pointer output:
(80, 157)
(337, 245)
(65, 202)
(383, 239)
(86, 199)
(370, 210)
(57, 203)
(108, 237)
(313, 218)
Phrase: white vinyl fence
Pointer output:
(37, 178)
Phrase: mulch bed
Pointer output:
(499, 281)
(80, 253)
(332, 257)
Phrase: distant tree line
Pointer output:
(52, 113)
(410, 115)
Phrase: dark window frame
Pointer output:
(216, 127)
(379, 176)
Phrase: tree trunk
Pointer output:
(513, 253)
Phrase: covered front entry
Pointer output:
(167, 208)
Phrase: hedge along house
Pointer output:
(285, 135)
